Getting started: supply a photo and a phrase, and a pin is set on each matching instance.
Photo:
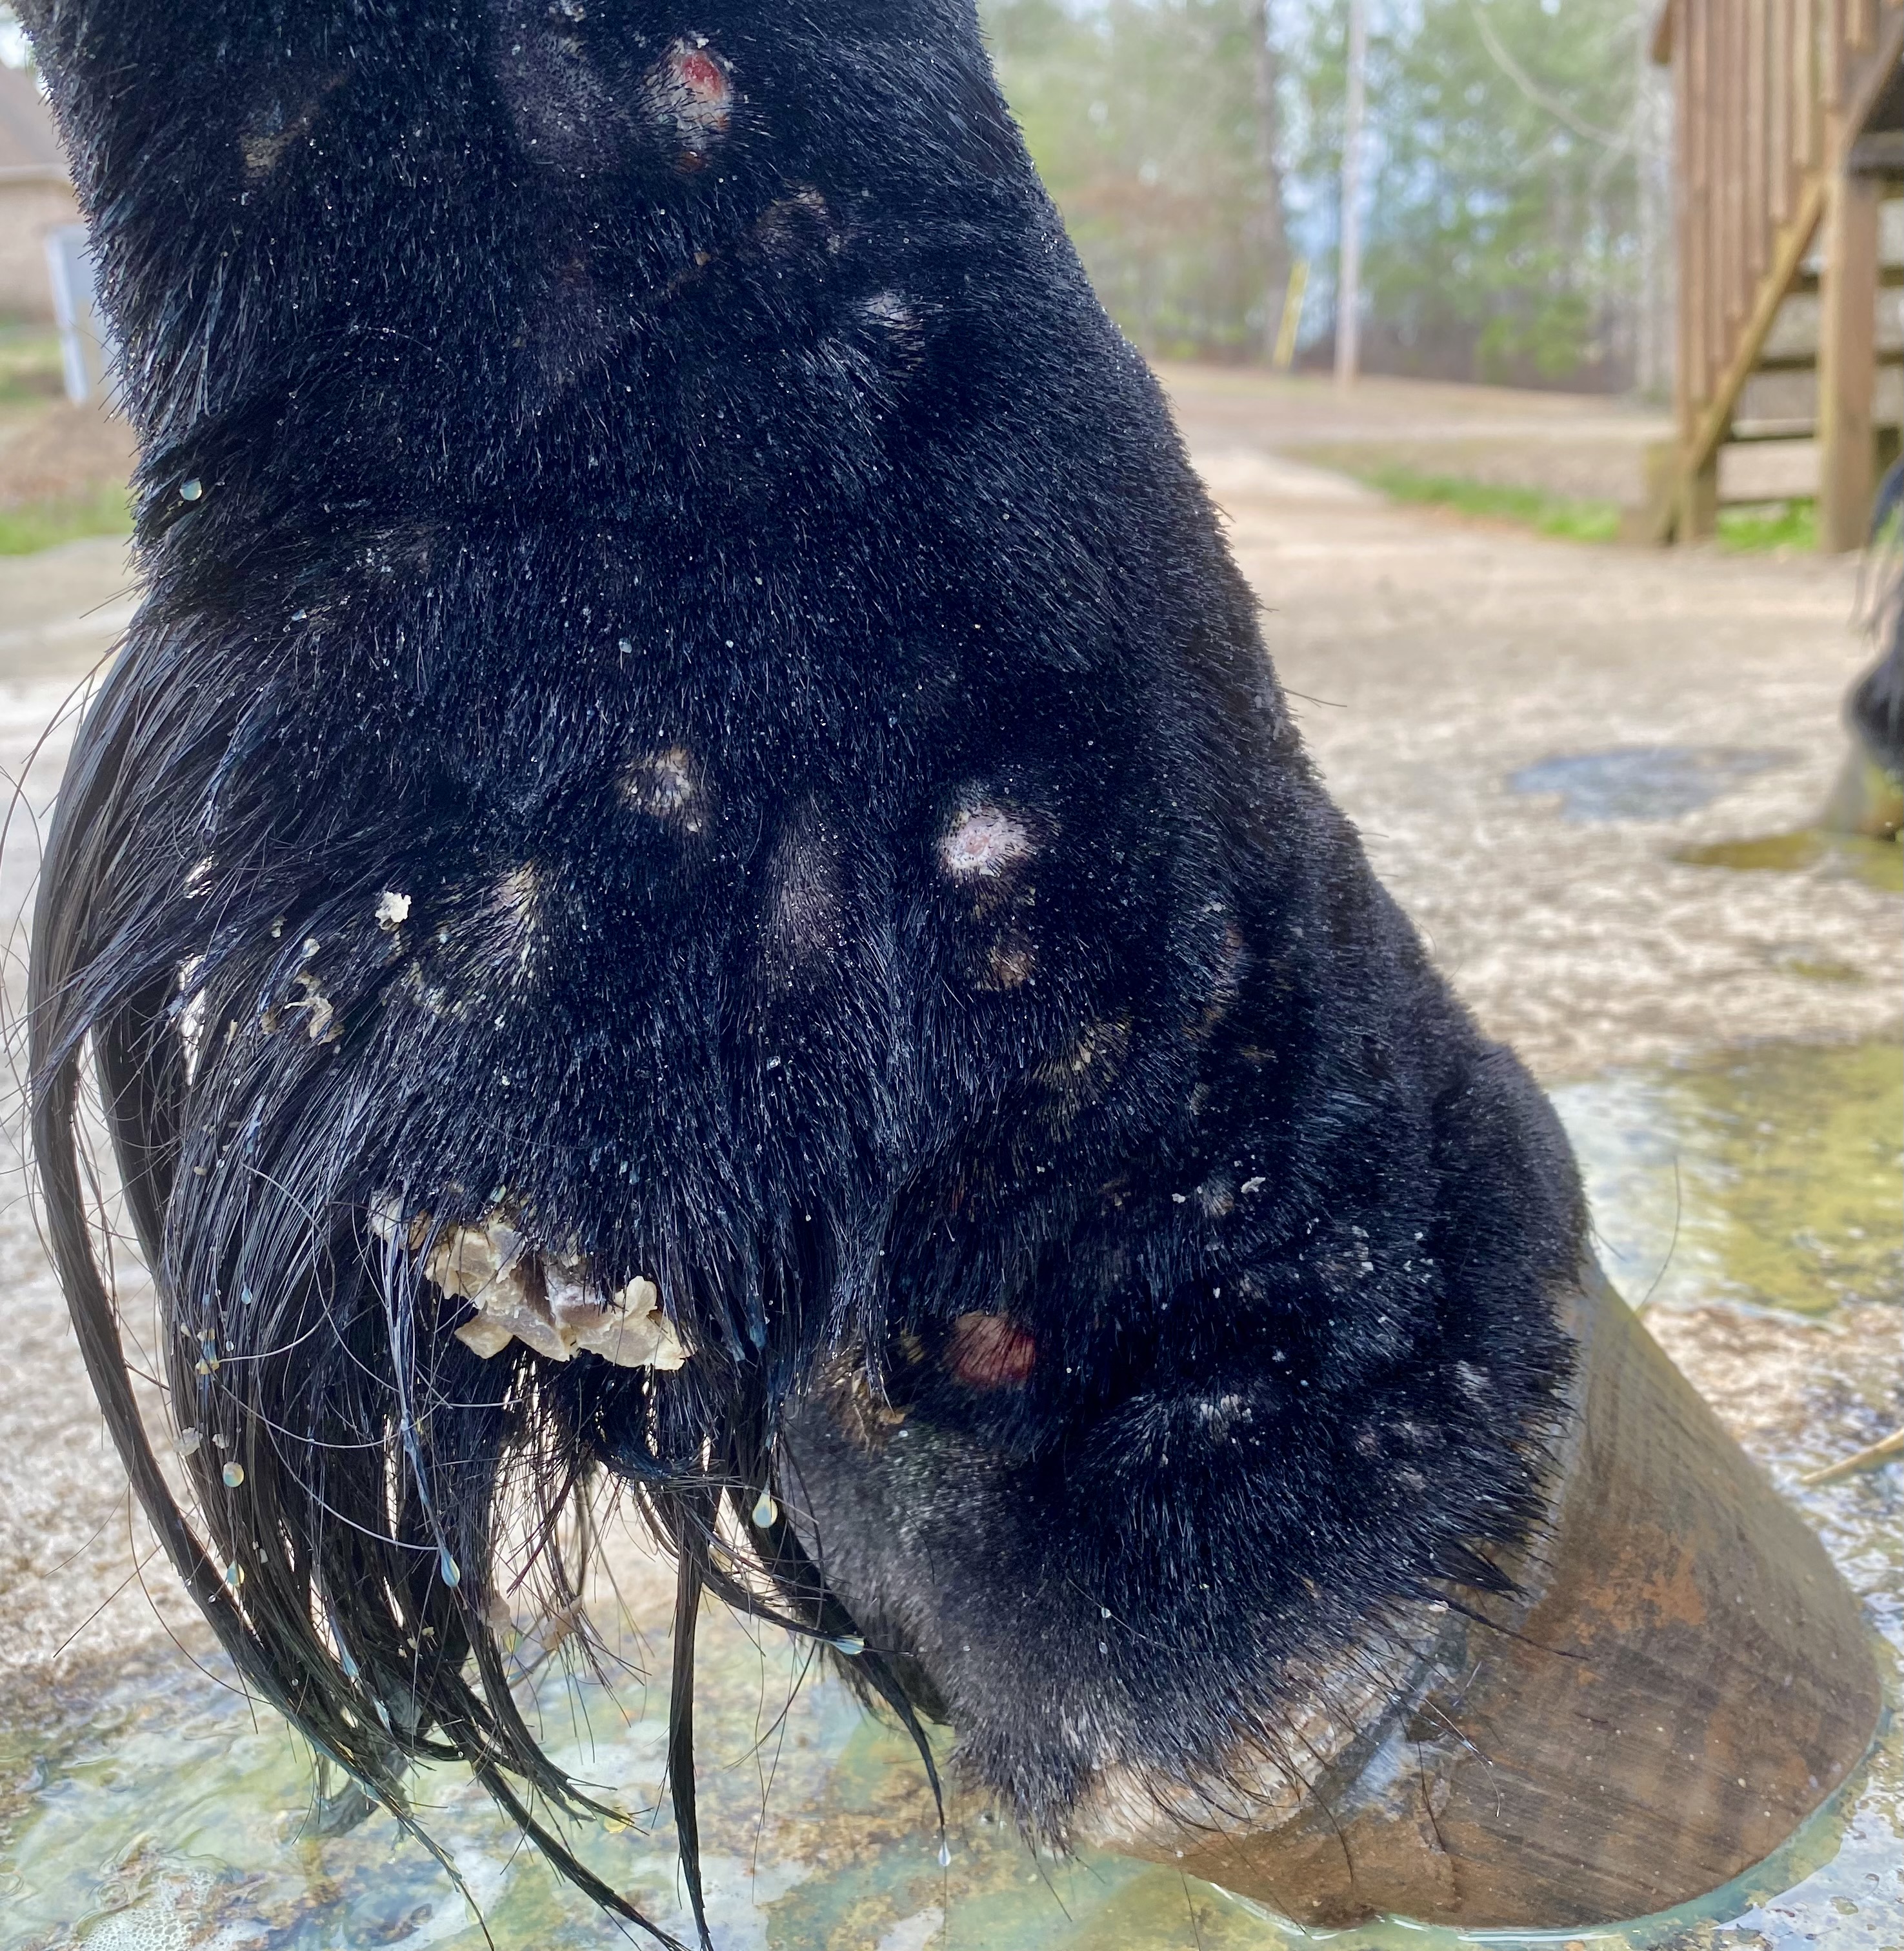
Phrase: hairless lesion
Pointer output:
(666, 785)
(263, 141)
(984, 842)
(1012, 963)
(985, 851)
(516, 912)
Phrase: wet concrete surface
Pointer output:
(1722, 1042)
(1641, 781)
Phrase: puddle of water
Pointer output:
(1642, 782)
(1878, 864)
(1770, 1176)
(155, 1810)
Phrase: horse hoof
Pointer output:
(1682, 1680)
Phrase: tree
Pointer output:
(1155, 122)
(1511, 212)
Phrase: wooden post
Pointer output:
(1699, 508)
(1848, 363)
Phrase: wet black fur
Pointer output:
(495, 439)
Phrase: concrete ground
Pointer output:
(1433, 658)
(1588, 446)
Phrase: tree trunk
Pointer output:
(1272, 229)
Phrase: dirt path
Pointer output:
(1437, 658)
(1449, 656)
(1589, 446)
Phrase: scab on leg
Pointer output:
(689, 96)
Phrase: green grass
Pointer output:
(1771, 525)
(38, 525)
(29, 364)
(1789, 525)
(1576, 520)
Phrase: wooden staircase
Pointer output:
(1789, 138)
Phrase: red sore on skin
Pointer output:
(987, 1352)
(701, 75)
(693, 92)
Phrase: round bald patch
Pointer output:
(983, 841)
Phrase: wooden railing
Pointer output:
(1772, 96)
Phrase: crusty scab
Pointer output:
(987, 1352)
(1012, 963)
(985, 850)
(515, 911)
(790, 221)
(897, 318)
(666, 786)
(550, 1302)
(690, 95)
(263, 144)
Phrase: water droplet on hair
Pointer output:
(452, 1577)
(766, 1511)
(945, 1854)
(233, 1475)
(188, 1443)
(852, 1646)
(190, 491)
(234, 1576)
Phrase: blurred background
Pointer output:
(1515, 194)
